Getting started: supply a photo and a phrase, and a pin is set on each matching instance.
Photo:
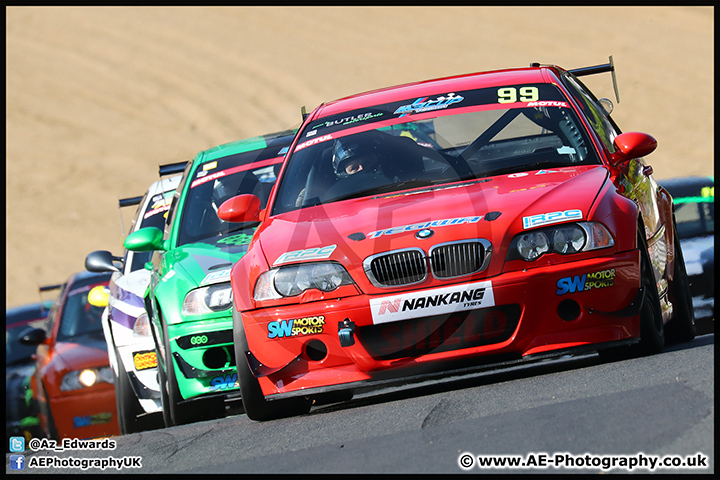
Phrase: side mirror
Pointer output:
(102, 261)
(632, 145)
(146, 239)
(33, 336)
(241, 208)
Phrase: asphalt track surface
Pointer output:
(640, 408)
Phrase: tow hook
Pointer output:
(346, 331)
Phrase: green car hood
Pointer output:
(208, 262)
(194, 265)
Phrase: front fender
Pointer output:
(244, 275)
(666, 207)
(619, 214)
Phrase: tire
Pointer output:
(130, 415)
(652, 331)
(174, 412)
(682, 327)
(254, 403)
(164, 399)
(45, 409)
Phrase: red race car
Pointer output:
(73, 383)
(454, 224)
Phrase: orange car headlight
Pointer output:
(85, 378)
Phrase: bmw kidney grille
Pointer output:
(410, 266)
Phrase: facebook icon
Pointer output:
(17, 462)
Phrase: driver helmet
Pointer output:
(355, 150)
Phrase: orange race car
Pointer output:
(73, 383)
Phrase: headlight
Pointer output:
(213, 298)
(294, 280)
(141, 328)
(531, 245)
(85, 378)
(565, 239)
(570, 239)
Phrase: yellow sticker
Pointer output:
(209, 166)
(99, 296)
(144, 360)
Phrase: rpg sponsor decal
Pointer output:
(296, 327)
(223, 382)
(422, 104)
(553, 217)
(432, 302)
(586, 281)
(87, 420)
(420, 226)
(307, 254)
(144, 360)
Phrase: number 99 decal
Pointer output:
(510, 94)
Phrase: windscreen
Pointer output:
(433, 140)
(81, 321)
(154, 216)
(213, 182)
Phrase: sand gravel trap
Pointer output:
(97, 98)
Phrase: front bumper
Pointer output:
(85, 414)
(537, 312)
(140, 362)
(203, 357)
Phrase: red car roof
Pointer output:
(436, 86)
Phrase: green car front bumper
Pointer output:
(203, 357)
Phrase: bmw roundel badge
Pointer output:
(424, 233)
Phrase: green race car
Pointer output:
(189, 299)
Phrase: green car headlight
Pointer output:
(294, 280)
(86, 378)
(213, 298)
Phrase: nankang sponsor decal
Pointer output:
(296, 327)
(437, 301)
(553, 217)
(586, 281)
(420, 226)
(425, 104)
(307, 254)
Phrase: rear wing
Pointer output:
(606, 67)
(163, 170)
(47, 288)
(171, 168)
